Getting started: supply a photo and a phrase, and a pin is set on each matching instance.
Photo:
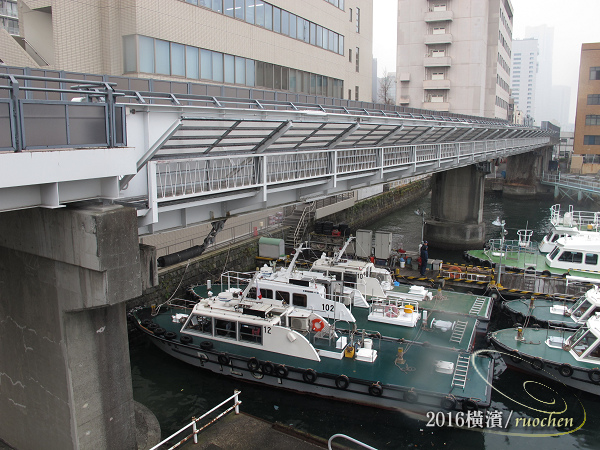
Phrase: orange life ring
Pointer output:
(453, 271)
(317, 325)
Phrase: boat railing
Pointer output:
(348, 438)
(195, 422)
(399, 304)
(510, 247)
(182, 303)
(239, 280)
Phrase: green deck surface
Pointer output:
(541, 310)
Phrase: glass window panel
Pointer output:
(285, 22)
(313, 33)
(342, 4)
(193, 2)
(300, 28)
(228, 7)
(217, 63)
(260, 73)
(162, 57)
(319, 85)
(292, 77)
(269, 75)
(268, 16)
(276, 20)
(324, 39)
(284, 78)
(293, 26)
(306, 82)
(206, 64)
(178, 59)
(217, 5)
(191, 62)
(313, 84)
(250, 11)
(277, 77)
(341, 45)
(146, 46)
(239, 9)
(206, 3)
(249, 72)
(336, 42)
(240, 70)
(319, 36)
(129, 54)
(229, 63)
(306, 31)
(331, 34)
(259, 13)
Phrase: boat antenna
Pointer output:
(338, 255)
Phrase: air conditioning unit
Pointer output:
(299, 323)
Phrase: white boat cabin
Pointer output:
(582, 309)
(571, 223)
(584, 344)
(580, 252)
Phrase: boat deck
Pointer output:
(471, 305)
(541, 310)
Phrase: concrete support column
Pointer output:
(456, 221)
(65, 379)
(524, 171)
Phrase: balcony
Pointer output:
(404, 101)
(433, 39)
(404, 76)
(437, 61)
(439, 16)
(436, 84)
(436, 106)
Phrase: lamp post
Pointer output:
(422, 214)
(499, 223)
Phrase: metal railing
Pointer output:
(194, 423)
(575, 182)
(348, 438)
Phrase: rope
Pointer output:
(174, 292)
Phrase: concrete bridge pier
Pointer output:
(456, 221)
(524, 171)
(65, 379)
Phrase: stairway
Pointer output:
(298, 221)
(458, 332)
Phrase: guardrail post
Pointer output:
(237, 403)
(110, 105)
(14, 98)
(195, 430)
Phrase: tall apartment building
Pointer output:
(586, 144)
(319, 47)
(524, 74)
(455, 55)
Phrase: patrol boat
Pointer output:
(569, 356)
(389, 355)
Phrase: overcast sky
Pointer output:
(574, 21)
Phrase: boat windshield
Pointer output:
(554, 252)
(580, 307)
(582, 340)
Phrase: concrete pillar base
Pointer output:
(519, 190)
(455, 236)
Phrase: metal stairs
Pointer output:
(298, 221)
(458, 332)
(477, 305)
(459, 379)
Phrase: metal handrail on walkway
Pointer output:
(193, 423)
(576, 182)
(348, 438)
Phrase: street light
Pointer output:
(499, 223)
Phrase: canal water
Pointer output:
(175, 391)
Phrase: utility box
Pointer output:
(271, 248)
(383, 244)
(364, 242)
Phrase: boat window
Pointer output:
(200, 324)
(579, 341)
(585, 343)
(250, 333)
(574, 257)
(591, 258)
(350, 279)
(225, 328)
(299, 300)
(266, 293)
(555, 237)
(554, 252)
(595, 353)
(283, 296)
(580, 307)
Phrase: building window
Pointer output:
(356, 91)
(591, 140)
(594, 73)
(356, 55)
(350, 14)
(349, 55)
(593, 99)
(349, 94)
(358, 20)
(592, 120)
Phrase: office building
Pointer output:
(319, 47)
(524, 74)
(586, 144)
(455, 56)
